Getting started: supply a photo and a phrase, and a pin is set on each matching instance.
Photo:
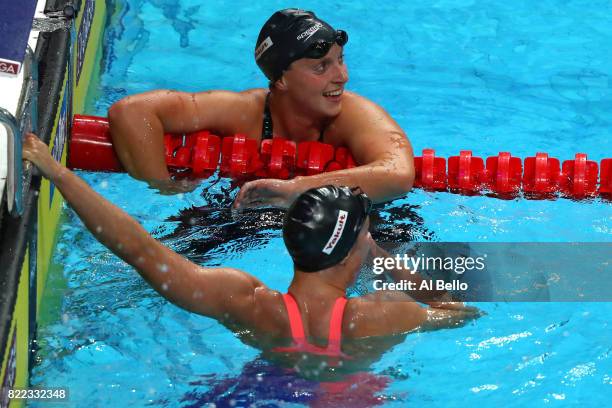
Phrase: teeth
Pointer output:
(335, 93)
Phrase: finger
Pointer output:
(237, 204)
(246, 194)
(31, 139)
(252, 204)
(26, 153)
(240, 197)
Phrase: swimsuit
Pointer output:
(266, 130)
(300, 344)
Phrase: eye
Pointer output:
(341, 59)
(320, 68)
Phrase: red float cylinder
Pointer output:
(239, 157)
(313, 157)
(605, 182)
(278, 157)
(91, 147)
(430, 171)
(465, 172)
(541, 175)
(579, 177)
(206, 152)
(503, 173)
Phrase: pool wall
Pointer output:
(68, 61)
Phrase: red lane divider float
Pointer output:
(465, 173)
(504, 175)
(605, 184)
(199, 154)
(430, 171)
(541, 174)
(91, 147)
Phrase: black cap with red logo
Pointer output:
(323, 224)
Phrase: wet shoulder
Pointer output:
(355, 105)
(255, 97)
(254, 103)
(233, 112)
(270, 313)
(380, 314)
(356, 111)
(267, 326)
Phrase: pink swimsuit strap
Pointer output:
(300, 344)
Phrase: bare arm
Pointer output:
(221, 293)
(378, 145)
(449, 318)
(138, 123)
(386, 313)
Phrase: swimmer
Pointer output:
(306, 100)
(326, 233)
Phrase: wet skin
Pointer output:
(301, 110)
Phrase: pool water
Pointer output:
(456, 75)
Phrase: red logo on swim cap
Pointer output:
(335, 237)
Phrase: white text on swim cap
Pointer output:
(335, 237)
(308, 33)
(267, 43)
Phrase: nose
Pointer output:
(341, 73)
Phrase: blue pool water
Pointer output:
(455, 75)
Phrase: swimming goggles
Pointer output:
(320, 48)
(366, 202)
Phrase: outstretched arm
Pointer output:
(384, 313)
(221, 293)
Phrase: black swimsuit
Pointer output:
(266, 130)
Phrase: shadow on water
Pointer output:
(203, 233)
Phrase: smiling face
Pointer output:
(316, 85)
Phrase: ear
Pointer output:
(281, 84)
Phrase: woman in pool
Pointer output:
(302, 56)
(326, 233)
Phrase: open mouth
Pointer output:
(333, 94)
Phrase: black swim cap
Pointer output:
(292, 34)
(322, 226)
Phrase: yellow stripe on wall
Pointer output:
(19, 325)
(93, 56)
(49, 213)
(50, 209)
